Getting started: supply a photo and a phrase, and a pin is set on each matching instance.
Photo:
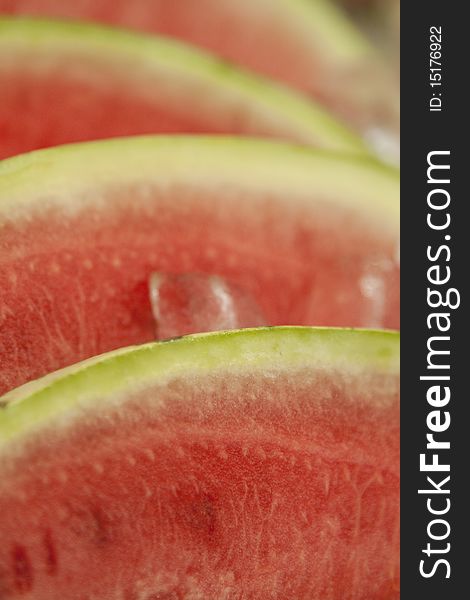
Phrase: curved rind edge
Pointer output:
(360, 183)
(307, 119)
(248, 350)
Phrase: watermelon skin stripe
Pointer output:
(36, 404)
(152, 61)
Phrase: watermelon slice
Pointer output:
(65, 82)
(252, 464)
(307, 43)
(309, 237)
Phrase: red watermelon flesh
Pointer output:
(310, 239)
(265, 471)
(75, 82)
(306, 43)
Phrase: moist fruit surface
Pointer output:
(308, 237)
(252, 464)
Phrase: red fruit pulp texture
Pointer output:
(74, 284)
(41, 109)
(201, 497)
(37, 112)
(247, 33)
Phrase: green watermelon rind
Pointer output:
(65, 174)
(109, 376)
(301, 117)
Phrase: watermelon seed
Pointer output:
(91, 523)
(22, 570)
(202, 514)
(101, 531)
(50, 551)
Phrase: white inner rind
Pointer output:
(171, 71)
(114, 374)
(71, 177)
